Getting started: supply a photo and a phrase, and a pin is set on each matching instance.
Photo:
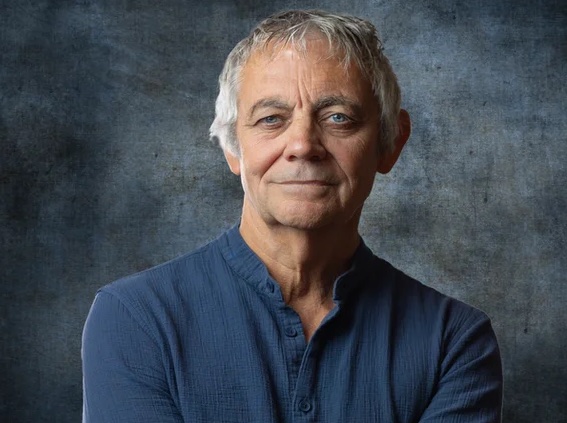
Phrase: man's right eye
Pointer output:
(270, 120)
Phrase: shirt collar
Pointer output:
(249, 267)
(358, 272)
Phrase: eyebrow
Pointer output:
(271, 102)
(338, 100)
(322, 103)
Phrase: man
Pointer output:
(289, 317)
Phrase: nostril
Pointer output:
(305, 149)
(314, 156)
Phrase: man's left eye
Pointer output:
(338, 118)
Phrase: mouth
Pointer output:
(313, 182)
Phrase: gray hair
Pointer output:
(353, 38)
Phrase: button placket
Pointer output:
(294, 345)
(304, 400)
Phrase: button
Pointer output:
(270, 287)
(291, 332)
(304, 405)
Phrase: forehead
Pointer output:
(311, 70)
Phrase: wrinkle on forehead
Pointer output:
(277, 49)
(303, 46)
(309, 70)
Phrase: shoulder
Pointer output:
(417, 305)
(441, 334)
(167, 285)
(439, 347)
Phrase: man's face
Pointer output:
(308, 132)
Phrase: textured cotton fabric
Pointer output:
(207, 337)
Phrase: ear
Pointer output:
(233, 161)
(388, 159)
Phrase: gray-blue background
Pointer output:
(105, 169)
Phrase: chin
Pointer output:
(303, 224)
(307, 218)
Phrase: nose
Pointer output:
(304, 141)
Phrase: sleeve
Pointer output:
(124, 378)
(470, 384)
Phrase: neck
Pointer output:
(304, 262)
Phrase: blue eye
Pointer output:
(339, 118)
(270, 120)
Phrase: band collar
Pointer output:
(250, 268)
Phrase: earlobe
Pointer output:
(233, 162)
(387, 160)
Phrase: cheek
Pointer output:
(257, 160)
(358, 159)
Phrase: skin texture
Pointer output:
(308, 131)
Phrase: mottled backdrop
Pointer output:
(106, 169)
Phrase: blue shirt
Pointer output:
(207, 337)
